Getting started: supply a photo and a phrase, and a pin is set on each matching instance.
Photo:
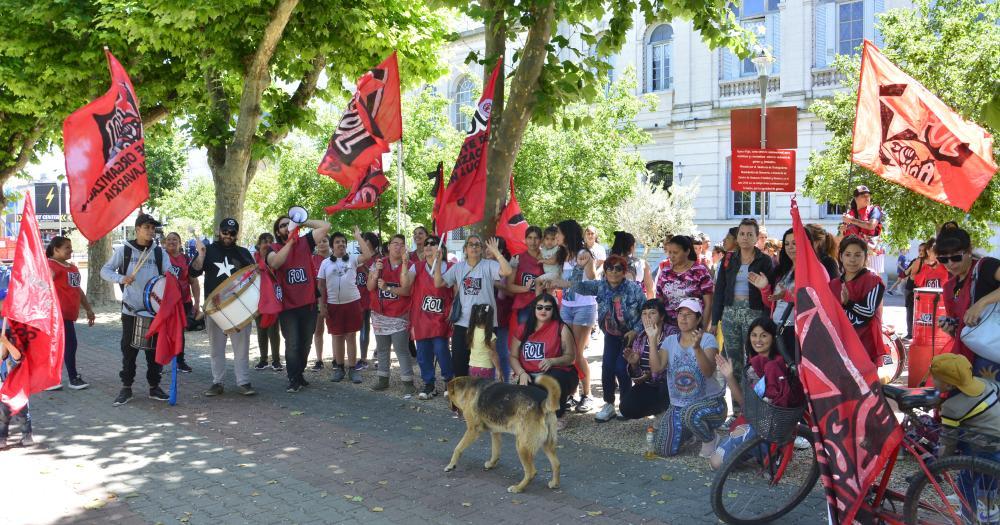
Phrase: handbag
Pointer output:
(983, 338)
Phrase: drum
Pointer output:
(152, 294)
(929, 339)
(233, 304)
(141, 327)
(890, 365)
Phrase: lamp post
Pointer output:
(762, 62)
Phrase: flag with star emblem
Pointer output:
(36, 321)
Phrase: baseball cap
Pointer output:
(861, 189)
(691, 304)
(229, 224)
(145, 218)
(956, 370)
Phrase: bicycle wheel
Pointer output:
(963, 491)
(892, 363)
(758, 483)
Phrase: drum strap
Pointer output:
(127, 259)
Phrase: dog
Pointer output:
(525, 411)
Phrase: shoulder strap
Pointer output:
(975, 279)
(158, 257)
(126, 260)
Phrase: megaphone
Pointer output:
(298, 215)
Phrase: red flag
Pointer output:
(372, 121)
(906, 135)
(365, 192)
(464, 198)
(36, 321)
(511, 226)
(169, 322)
(269, 303)
(105, 159)
(854, 426)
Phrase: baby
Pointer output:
(550, 253)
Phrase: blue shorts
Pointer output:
(579, 315)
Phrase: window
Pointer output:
(658, 58)
(832, 210)
(745, 203)
(760, 17)
(463, 98)
(850, 27)
(661, 174)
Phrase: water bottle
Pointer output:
(650, 446)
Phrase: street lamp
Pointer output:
(762, 62)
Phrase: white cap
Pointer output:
(691, 304)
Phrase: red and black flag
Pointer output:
(464, 200)
(365, 192)
(105, 158)
(511, 226)
(854, 426)
(373, 120)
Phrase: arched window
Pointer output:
(463, 98)
(658, 58)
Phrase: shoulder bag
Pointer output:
(983, 338)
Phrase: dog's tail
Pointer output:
(552, 386)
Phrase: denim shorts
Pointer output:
(579, 315)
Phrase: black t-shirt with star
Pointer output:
(220, 263)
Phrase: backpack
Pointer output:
(127, 259)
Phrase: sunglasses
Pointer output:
(543, 308)
(614, 268)
(475, 245)
(230, 233)
(431, 243)
(945, 259)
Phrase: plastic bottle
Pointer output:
(650, 453)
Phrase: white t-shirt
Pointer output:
(475, 286)
(341, 279)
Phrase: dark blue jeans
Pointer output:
(69, 348)
(297, 327)
(614, 369)
(429, 349)
(365, 337)
(503, 352)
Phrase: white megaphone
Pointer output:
(298, 215)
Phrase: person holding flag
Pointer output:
(180, 267)
(131, 266)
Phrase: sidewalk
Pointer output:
(334, 453)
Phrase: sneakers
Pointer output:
(53, 388)
(293, 388)
(585, 404)
(158, 394)
(77, 383)
(708, 448)
(355, 376)
(408, 388)
(247, 390)
(26, 440)
(382, 384)
(606, 414)
(183, 367)
(338, 374)
(277, 366)
(124, 396)
(428, 391)
(214, 390)
(362, 364)
(303, 382)
(318, 365)
(262, 365)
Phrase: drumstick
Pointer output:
(142, 259)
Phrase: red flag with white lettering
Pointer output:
(365, 192)
(372, 121)
(464, 200)
(907, 135)
(36, 321)
(511, 226)
(105, 159)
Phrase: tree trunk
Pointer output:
(496, 47)
(99, 291)
(516, 113)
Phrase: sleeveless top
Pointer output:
(545, 343)
(297, 277)
(67, 281)
(430, 306)
(388, 303)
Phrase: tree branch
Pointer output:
(27, 142)
(303, 94)
(155, 114)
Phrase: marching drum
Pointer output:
(140, 328)
(152, 294)
(233, 304)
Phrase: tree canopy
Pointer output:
(952, 47)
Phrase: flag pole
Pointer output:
(173, 381)
(399, 188)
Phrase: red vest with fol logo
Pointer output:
(67, 281)
(528, 269)
(361, 279)
(296, 276)
(179, 267)
(388, 303)
(430, 305)
(545, 343)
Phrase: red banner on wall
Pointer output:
(756, 169)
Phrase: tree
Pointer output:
(652, 213)
(953, 49)
(542, 81)
(253, 68)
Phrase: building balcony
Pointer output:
(746, 87)
(826, 78)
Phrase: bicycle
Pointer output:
(763, 480)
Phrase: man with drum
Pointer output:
(219, 261)
(133, 265)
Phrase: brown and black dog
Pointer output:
(525, 411)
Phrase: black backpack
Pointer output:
(127, 258)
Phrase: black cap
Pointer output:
(229, 224)
(861, 189)
(145, 218)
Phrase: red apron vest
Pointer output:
(388, 303)
(296, 276)
(545, 343)
(430, 305)
(179, 267)
(67, 281)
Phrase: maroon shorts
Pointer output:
(343, 319)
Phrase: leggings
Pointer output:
(399, 341)
(364, 337)
(269, 337)
(69, 353)
(736, 321)
(700, 419)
